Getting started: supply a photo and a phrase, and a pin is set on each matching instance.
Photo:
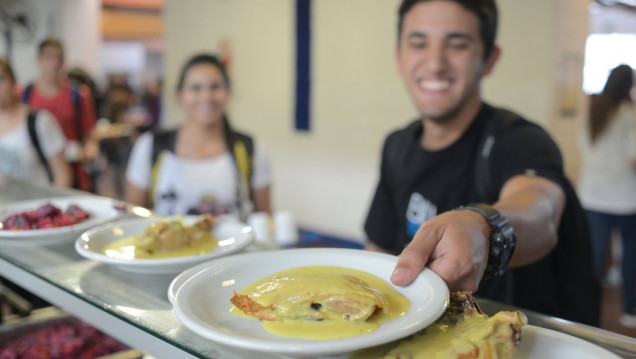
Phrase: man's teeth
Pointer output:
(434, 85)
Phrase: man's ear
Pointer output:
(492, 59)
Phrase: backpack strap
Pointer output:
(243, 160)
(26, 94)
(161, 142)
(77, 106)
(241, 147)
(33, 134)
(483, 184)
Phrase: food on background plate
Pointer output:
(320, 302)
(167, 238)
(462, 332)
(44, 217)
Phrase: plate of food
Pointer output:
(54, 220)
(464, 331)
(305, 302)
(163, 245)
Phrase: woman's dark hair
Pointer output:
(485, 10)
(6, 66)
(206, 59)
(604, 105)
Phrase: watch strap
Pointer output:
(502, 240)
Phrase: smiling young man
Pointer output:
(467, 189)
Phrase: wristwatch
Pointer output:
(502, 239)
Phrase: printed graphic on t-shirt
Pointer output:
(418, 211)
(209, 204)
(169, 199)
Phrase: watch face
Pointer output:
(495, 251)
(497, 245)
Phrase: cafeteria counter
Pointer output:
(134, 308)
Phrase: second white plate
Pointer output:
(233, 236)
(540, 343)
(202, 300)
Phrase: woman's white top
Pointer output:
(608, 177)
(193, 186)
(18, 157)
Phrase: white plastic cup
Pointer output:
(285, 228)
(259, 221)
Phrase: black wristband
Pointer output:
(502, 239)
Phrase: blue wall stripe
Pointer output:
(303, 64)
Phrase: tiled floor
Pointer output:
(611, 310)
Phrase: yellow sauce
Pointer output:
(332, 329)
(125, 248)
(440, 341)
(437, 340)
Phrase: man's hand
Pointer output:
(453, 244)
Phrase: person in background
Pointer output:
(31, 144)
(117, 90)
(607, 184)
(469, 189)
(31, 149)
(204, 166)
(151, 100)
(78, 76)
(71, 105)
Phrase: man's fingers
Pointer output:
(408, 267)
(412, 260)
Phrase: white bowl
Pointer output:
(233, 236)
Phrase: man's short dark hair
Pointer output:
(485, 10)
(50, 42)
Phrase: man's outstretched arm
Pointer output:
(455, 244)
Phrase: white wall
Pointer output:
(46, 17)
(75, 22)
(327, 176)
(81, 33)
(570, 32)
(524, 75)
(123, 57)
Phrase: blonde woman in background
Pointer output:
(608, 178)
(31, 143)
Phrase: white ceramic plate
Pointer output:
(202, 301)
(233, 236)
(101, 210)
(541, 343)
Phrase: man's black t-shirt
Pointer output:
(417, 184)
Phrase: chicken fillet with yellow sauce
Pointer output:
(324, 297)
